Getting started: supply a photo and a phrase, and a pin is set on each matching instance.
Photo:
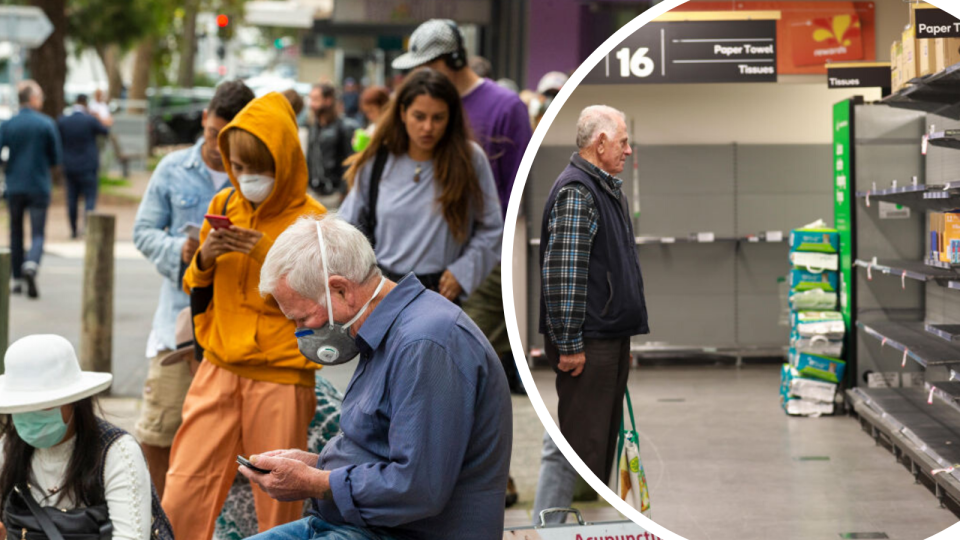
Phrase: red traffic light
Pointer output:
(222, 20)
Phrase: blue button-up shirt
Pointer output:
(34, 144)
(179, 192)
(426, 425)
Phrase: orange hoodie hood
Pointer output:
(241, 331)
(270, 118)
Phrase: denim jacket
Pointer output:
(179, 192)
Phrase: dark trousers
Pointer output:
(591, 404)
(20, 204)
(78, 184)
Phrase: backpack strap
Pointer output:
(368, 222)
(227, 201)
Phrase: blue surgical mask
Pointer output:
(332, 344)
(40, 429)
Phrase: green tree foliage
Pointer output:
(97, 24)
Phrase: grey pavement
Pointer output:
(136, 288)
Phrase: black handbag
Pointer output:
(27, 520)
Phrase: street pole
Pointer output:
(96, 338)
(4, 304)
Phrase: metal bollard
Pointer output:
(96, 335)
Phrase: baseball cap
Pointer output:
(429, 41)
(551, 82)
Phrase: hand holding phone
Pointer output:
(246, 463)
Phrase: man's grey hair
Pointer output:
(594, 120)
(26, 90)
(296, 256)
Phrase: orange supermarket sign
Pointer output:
(811, 34)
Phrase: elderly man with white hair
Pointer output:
(592, 298)
(426, 420)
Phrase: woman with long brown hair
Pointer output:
(423, 192)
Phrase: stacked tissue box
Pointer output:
(808, 383)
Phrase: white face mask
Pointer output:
(255, 187)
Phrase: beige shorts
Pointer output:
(163, 394)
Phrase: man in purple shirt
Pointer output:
(501, 124)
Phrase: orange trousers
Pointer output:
(225, 415)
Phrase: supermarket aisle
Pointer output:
(724, 462)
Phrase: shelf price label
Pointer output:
(692, 51)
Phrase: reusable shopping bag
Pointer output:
(632, 481)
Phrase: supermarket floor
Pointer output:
(724, 462)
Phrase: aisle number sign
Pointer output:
(695, 47)
(842, 183)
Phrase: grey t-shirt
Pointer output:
(412, 235)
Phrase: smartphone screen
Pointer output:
(191, 230)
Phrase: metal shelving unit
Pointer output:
(937, 93)
(699, 238)
(946, 139)
(947, 332)
(912, 338)
(933, 198)
(920, 424)
(924, 435)
(918, 271)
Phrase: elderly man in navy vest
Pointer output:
(81, 158)
(592, 300)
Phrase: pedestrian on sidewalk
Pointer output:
(81, 159)
(59, 454)
(329, 142)
(254, 390)
(176, 199)
(34, 150)
(500, 123)
(435, 212)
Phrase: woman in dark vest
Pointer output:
(60, 465)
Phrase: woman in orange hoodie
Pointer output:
(254, 391)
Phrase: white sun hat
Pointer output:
(42, 371)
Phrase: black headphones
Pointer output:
(456, 60)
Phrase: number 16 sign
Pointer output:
(695, 47)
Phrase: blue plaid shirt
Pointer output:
(573, 226)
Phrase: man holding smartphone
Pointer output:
(166, 231)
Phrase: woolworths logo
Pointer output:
(635, 465)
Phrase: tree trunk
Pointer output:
(143, 61)
(110, 56)
(48, 63)
(188, 44)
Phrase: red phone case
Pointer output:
(218, 221)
